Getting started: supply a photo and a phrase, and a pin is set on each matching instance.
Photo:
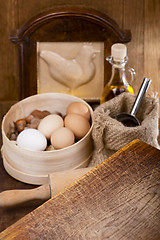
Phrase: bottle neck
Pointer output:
(118, 76)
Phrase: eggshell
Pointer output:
(62, 137)
(79, 108)
(32, 139)
(48, 124)
(78, 124)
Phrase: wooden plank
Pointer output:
(133, 19)
(28, 9)
(152, 43)
(8, 51)
(119, 199)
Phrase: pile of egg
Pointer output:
(42, 130)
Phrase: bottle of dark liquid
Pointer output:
(118, 82)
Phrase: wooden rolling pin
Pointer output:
(58, 182)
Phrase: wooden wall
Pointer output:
(142, 17)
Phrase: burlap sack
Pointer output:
(109, 135)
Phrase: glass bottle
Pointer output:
(118, 82)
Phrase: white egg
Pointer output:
(49, 124)
(32, 139)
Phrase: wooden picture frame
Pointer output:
(65, 24)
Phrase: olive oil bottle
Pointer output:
(118, 82)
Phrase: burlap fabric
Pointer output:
(109, 135)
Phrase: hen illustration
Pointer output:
(72, 73)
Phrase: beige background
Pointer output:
(142, 17)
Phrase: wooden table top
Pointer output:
(119, 199)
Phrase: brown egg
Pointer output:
(78, 124)
(79, 108)
(62, 137)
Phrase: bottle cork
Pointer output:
(118, 51)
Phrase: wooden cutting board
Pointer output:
(119, 199)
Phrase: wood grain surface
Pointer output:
(151, 43)
(119, 199)
(142, 18)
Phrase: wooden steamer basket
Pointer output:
(34, 166)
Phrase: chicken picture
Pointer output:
(74, 72)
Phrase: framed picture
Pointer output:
(77, 41)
